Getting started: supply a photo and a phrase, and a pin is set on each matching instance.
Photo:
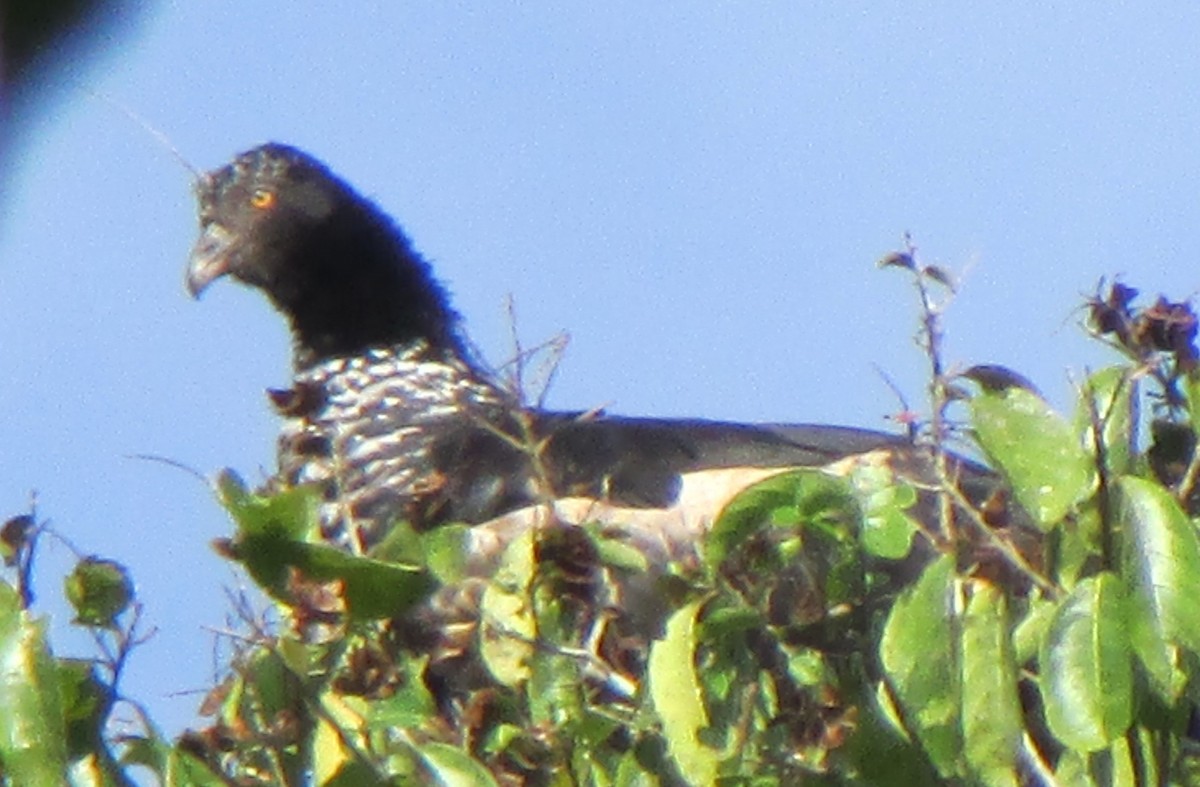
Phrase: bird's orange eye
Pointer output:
(262, 198)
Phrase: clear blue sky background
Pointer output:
(698, 195)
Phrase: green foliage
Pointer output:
(32, 724)
(677, 695)
(99, 591)
(884, 621)
(1038, 451)
(1088, 663)
(275, 542)
(918, 652)
(55, 712)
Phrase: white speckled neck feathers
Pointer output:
(363, 427)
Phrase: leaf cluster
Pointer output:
(895, 619)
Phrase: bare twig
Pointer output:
(911, 425)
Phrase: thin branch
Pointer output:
(1002, 545)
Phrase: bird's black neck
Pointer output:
(390, 300)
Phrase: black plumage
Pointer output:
(392, 414)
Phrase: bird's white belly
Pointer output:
(661, 534)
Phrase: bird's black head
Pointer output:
(341, 271)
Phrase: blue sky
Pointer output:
(699, 196)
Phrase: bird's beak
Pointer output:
(209, 260)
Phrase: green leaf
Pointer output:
(32, 727)
(453, 767)
(918, 649)
(1161, 562)
(724, 621)
(555, 684)
(271, 676)
(290, 514)
(86, 703)
(444, 550)
(801, 499)
(1111, 767)
(507, 626)
(615, 551)
(274, 537)
(1078, 547)
(1086, 665)
(1191, 389)
(373, 589)
(748, 513)
(887, 527)
(172, 765)
(341, 720)
(1072, 769)
(878, 750)
(676, 693)
(411, 705)
(401, 544)
(99, 591)
(1038, 452)
(1113, 395)
(184, 770)
(991, 711)
(1029, 633)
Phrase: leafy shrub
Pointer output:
(878, 622)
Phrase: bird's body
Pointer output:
(589, 537)
(390, 413)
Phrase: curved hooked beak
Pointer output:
(210, 258)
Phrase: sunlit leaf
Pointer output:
(32, 740)
(507, 623)
(1191, 388)
(184, 770)
(340, 721)
(372, 588)
(452, 767)
(675, 690)
(555, 683)
(1072, 769)
(1028, 635)
(411, 705)
(888, 528)
(919, 654)
(1113, 397)
(1086, 665)
(748, 513)
(99, 591)
(1161, 560)
(445, 549)
(291, 513)
(615, 552)
(1038, 452)
(991, 712)
(328, 753)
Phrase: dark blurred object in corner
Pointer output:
(43, 45)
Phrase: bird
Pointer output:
(392, 413)
(394, 418)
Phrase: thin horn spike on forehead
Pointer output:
(155, 132)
